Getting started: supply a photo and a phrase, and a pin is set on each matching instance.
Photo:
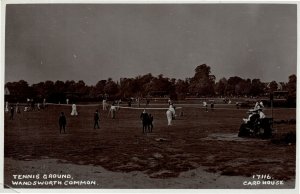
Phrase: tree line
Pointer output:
(202, 84)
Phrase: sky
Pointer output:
(92, 42)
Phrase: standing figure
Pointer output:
(112, 111)
(32, 105)
(74, 110)
(28, 102)
(12, 111)
(212, 106)
(38, 106)
(172, 109)
(145, 120)
(170, 101)
(67, 100)
(138, 101)
(96, 119)
(44, 103)
(169, 117)
(6, 107)
(62, 121)
(150, 123)
(104, 104)
(17, 108)
(205, 105)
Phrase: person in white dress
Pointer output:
(170, 114)
(112, 111)
(104, 104)
(169, 117)
(74, 110)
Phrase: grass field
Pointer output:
(196, 139)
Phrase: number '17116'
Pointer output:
(262, 176)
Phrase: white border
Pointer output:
(148, 191)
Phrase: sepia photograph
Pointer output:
(149, 96)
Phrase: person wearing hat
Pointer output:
(251, 112)
(261, 113)
(258, 105)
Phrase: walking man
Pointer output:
(96, 119)
(62, 122)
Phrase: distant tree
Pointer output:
(126, 88)
(233, 87)
(161, 84)
(257, 87)
(273, 86)
(100, 87)
(20, 90)
(203, 82)
(181, 88)
(49, 86)
(246, 87)
(39, 90)
(111, 87)
(70, 86)
(81, 87)
(221, 86)
(292, 85)
(282, 86)
(59, 87)
(243, 87)
(140, 85)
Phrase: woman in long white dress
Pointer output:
(74, 110)
(169, 117)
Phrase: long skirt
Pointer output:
(169, 117)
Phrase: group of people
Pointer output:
(257, 110)
(62, 120)
(15, 108)
(147, 121)
(212, 106)
(31, 105)
(112, 111)
(10, 109)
